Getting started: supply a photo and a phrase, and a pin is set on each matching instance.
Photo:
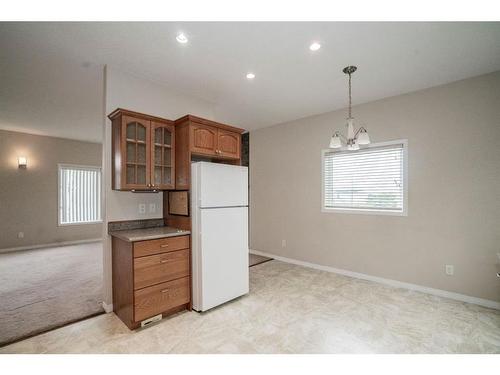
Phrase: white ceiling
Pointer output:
(51, 73)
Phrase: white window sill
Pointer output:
(81, 223)
(360, 211)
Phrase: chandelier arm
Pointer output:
(358, 131)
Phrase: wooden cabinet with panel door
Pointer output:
(203, 139)
(162, 155)
(228, 144)
(199, 138)
(143, 155)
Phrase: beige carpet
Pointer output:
(47, 288)
(254, 259)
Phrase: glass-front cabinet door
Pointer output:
(162, 155)
(136, 144)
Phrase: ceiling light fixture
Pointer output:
(250, 76)
(353, 139)
(182, 38)
(315, 46)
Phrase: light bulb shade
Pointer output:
(335, 141)
(22, 162)
(363, 138)
(353, 147)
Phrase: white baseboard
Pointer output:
(108, 308)
(395, 283)
(55, 244)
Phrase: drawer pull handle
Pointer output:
(164, 261)
(164, 245)
(165, 290)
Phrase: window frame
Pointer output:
(59, 203)
(364, 211)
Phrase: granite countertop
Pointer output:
(143, 234)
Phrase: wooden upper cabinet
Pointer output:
(228, 144)
(140, 160)
(162, 155)
(203, 139)
(134, 145)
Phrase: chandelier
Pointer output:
(354, 138)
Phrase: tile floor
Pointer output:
(292, 309)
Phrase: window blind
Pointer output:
(79, 194)
(368, 179)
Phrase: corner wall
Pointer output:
(453, 134)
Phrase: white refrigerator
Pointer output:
(219, 207)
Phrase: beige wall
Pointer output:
(124, 90)
(453, 134)
(29, 197)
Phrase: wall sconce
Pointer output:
(22, 162)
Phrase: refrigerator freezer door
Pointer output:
(222, 256)
(222, 185)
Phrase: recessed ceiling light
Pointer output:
(181, 38)
(250, 76)
(315, 46)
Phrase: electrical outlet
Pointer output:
(449, 269)
(142, 208)
(283, 243)
(20, 235)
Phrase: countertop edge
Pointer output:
(138, 238)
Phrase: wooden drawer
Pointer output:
(162, 245)
(155, 269)
(156, 299)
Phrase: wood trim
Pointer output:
(203, 121)
(116, 165)
(182, 156)
(123, 281)
(125, 112)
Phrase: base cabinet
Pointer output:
(150, 278)
(156, 299)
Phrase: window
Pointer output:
(79, 194)
(371, 180)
